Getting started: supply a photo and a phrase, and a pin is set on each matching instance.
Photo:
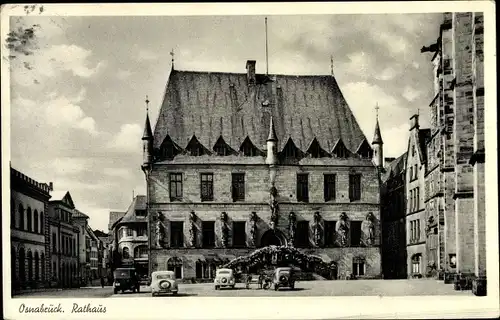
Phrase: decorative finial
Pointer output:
(173, 56)
(331, 64)
(147, 104)
(376, 109)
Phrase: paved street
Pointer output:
(306, 288)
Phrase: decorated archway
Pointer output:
(281, 256)
(272, 237)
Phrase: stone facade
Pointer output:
(222, 195)
(29, 255)
(454, 174)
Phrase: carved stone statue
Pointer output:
(292, 227)
(274, 208)
(192, 229)
(160, 231)
(343, 229)
(224, 229)
(253, 228)
(371, 228)
(317, 227)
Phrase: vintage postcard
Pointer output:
(249, 161)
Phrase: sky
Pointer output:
(77, 113)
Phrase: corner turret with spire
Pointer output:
(378, 144)
(272, 141)
(147, 140)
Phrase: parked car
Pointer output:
(224, 278)
(284, 278)
(163, 282)
(126, 279)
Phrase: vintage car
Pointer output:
(125, 279)
(224, 278)
(163, 282)
(284, 278)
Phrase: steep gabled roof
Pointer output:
(79, 214)
(210, 104)
(113, 217)
(64, 197)
(139, 203)
(396, 167)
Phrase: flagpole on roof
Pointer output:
(267, 55)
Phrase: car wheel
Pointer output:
(153, 294)
(115, 291)
(275, 288)
(216, 287)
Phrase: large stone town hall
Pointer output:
(239, 161)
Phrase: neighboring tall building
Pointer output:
(103, 252)
(113, 259)
(94, 255)
(393, 201)
(240, 161)
(63, 234)
(456, 190)
(418, 261)
(28, 226)
(81, 220)
(130, 237)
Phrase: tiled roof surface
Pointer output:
(113, 217)
(211, 104)
(139, 203)
(397, 166)
(79, 214)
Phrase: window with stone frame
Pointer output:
(207, 186)
(415, 264)
(21, 217)
(177, 234)
(354, 187)
(358, 266)
(302, 187)
(329, 187)
(129, 232)
(355, 229)
(29, 220)
(329, 230)
(239, 234)
(238, 186)
(175, 186)
(208, 234)
(54, 242)
(140, 213)
(141, 231)
(302, 234)
(126, 253)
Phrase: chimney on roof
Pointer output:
(51, 186)
(251, 72)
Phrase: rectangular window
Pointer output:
(417, 199)
(329, 228)
(140, 213)
(239, 234)
(207, 187)
(141, 231)
(175, 186)
(417, 235)
(354, 187)
(355, 233)
(238, 186)
(208, 234)
(358, 268)
(54, 242)
(329, 187)
(302, 240)
(303, 187)
(176, 234)
(130, 232)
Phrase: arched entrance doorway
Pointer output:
(272, 237)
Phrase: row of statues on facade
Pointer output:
(342, 229)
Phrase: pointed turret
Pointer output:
(147, 139)
(378, 144)
(272, 141)
(377, 137)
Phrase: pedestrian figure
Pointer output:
(102, 281)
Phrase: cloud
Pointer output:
(147, 55)
(128, 139)
(388, 73)
(396, 139)
(359, 63)
(56, 111)
(117, 172)
(68, 165)
(411, 94)
(396, 44)
(50, 62)
(123, 74)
